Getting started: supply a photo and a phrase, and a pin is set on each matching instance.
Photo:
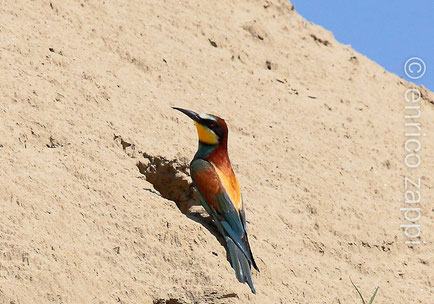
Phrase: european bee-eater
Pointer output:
(219, 191)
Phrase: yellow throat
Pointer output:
(206, 135)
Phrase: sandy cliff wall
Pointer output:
(316, 139)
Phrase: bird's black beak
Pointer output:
(191, 114)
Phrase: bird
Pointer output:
(219, 191)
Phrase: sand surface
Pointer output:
(95, 192)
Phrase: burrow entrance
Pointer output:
(171, 178)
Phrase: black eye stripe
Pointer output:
(210, 123)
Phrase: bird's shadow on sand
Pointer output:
(207, 223)
(170, 180)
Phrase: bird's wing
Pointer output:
(218, 204)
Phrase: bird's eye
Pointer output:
(212, 124)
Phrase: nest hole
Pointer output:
(171, 179)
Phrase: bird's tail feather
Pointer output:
(240, 264)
